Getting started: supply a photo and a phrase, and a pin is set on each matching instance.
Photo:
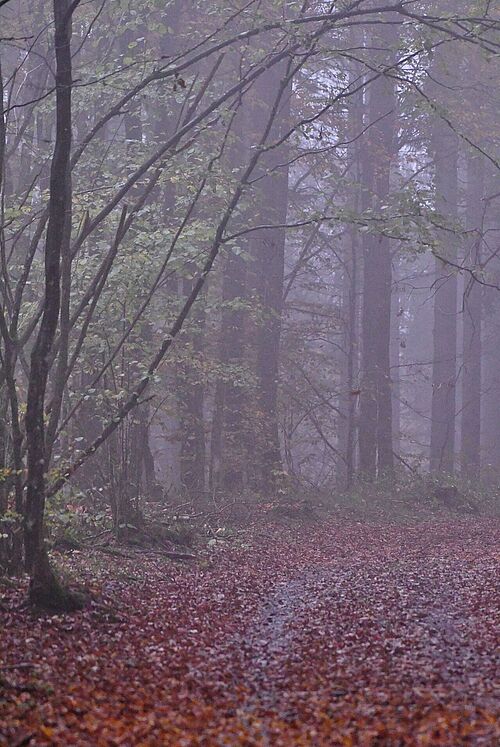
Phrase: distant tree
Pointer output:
(445, 152)
(375, 425)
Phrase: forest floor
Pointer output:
(333, 633)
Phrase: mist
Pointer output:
(249, 372)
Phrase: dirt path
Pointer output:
(339, 634)
(409, 645)
(399, 637)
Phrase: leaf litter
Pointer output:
(340, 633)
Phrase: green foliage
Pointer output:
(70, 517)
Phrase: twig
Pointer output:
(173, 555)
(95, 536)
(110, 551)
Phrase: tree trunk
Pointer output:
(396, 343)
(56, 243)
(268, 248)
(472, 306)
(228, 452)
(352, 345)
(191, 393)
(444, 370)
(231, 392)
(375, 429)
(11, 436)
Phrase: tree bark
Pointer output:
(444, 370)
(228, 452)
(56, 243)
(268, 248)
(191, 394)
(375, 429)
(396, 343)
(472, 307)
(231, 394)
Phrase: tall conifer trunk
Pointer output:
(268, 248)
(375, 431)
(444, 370)
(472, 309)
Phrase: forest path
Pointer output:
(376, 637)
(340, 633)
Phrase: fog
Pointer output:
(250, 302)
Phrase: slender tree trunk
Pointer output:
(348, 396)
(268, 248)
(472, 306)
(132, 436)
(56, 243)
(10, 442)
(3, 373)
(352, 363)
(231, 392)
(396, 343)
(444, 370)
(351, 291)
(229, 457)
(191, 400)
(375, 432)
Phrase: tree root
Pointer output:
(47, 592)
